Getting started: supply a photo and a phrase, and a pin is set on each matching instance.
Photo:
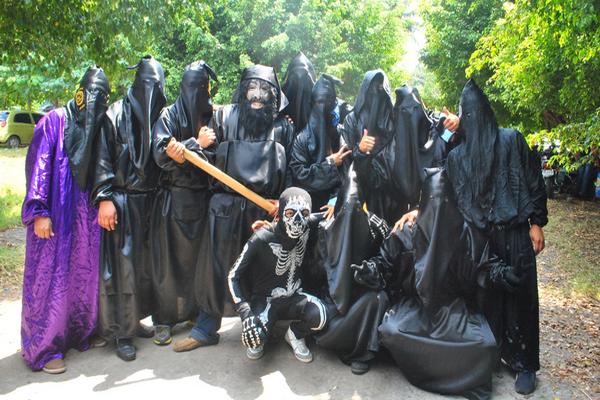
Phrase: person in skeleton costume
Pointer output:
(500, 191)
(180, 208)
(125, 183)
(318, 154)
(60, 282)
(253, 146)
(271, 265)
(297, 85)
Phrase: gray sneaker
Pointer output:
(162, 335)
(255, 354)
(301, 351)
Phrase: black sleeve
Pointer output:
(243, 262)
(311, 176)
(532, 167)
(163, 131)
(104, 173)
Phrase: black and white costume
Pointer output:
(270, 266)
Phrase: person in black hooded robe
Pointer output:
(125, 183)
(253, 147)
(499, 187)
(318, 152)
(180, 207)
(272, 264)
(436, 271)
(297, 85)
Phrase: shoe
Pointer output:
(56, 366)
(189, 343)
(525, 382)
(144, 331)
(97, 341)
(125, 349)
(255, 354)
(359, 367)
(301, 352)
(162, 335)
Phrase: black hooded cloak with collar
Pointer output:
(180, 209)
(500, 190)
(259, 160)
(311, 168)
(127, 175)
(298, 83)
(84, 118)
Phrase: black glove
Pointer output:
(378, 227)
(254, 332)
(505, 277)
(367, 274)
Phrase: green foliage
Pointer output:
(10, 208)
(453, 28)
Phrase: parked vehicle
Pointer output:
(16, 127)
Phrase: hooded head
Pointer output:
(374, 105)
(471, 162)
(85, 115)
(321, 123)
(146, 98)
(294, 209)
(297, 85)
(194, 96)
(260, 98)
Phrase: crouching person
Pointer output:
(268, 270)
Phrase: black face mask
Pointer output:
(323, 133)
(373, 106)
(147, 99)
(194, 95)
(473, 159)
(297, 85)
(84, 118)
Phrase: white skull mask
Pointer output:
(295, 216)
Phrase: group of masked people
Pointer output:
(392, 227)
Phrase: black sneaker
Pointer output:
(125, 349)
(162, 335)
(359, 367)
(525, 382)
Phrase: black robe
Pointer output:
(434, 331)
(355, 311)
(260, 163)
(179, 215)
(502, 196)
(126, 293)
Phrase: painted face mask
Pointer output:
(259, 93)
(295, 206)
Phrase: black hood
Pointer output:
(373, 106)
(297, 85)
(141, 108)
(411, 133)
(84, 117)
(266, 74)
(470, 163)
(194, 104)
(322, 133)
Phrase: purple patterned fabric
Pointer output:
(60, 283)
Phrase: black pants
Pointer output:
(306, 311)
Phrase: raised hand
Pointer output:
(206, 137)
(338, 158)
(367, 143)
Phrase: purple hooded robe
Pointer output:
(60, 283)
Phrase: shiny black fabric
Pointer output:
(355, 311)
(518, 199)
(260, 162)
(84, 117)
(495, 175)
(180, 208)
(297, 85)
(127, 175)
(319, 139)
(433, 331)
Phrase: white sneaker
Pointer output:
(255, 354)
(301, 351)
